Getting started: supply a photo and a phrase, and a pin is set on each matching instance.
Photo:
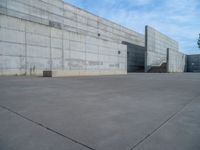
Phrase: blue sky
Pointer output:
(179, 19)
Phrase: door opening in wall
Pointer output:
(135, 57)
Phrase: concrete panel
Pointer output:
(77, 60)
(36, 28)
(34, 64)
(39, 13)
(70, 15)
(56, 43)
(176, 61)
(12, 63)
(43, 5)
(11, 49)
(14, 36)
(66, 45)
(56, 64)
(56, 33)
(56, 18)
(38, 51)
(57, 3)
(77, 46)
(92, 48)
(69, 22)
(18, 6)
(156, 47)
(11, 23)
(56, 53)
(39, 40)
(56, 10)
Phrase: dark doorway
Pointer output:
(135, 57)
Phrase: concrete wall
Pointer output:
(37, 35)
(27, 47)
(156, 47)
(176, 61)
(193, 63)
(135, 57)
(88, 23)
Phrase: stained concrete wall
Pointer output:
(177, 61)
(28, 47)
(156, 47)
(193, 63)
(135, 57)
(37, 35)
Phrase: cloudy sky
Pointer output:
(179, 19)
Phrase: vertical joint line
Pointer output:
(63, 57)
(50, 51)
(26, 65)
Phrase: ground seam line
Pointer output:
(47, 128)
(162, 124)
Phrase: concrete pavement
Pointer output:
(137, 111)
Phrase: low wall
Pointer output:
(176, 61)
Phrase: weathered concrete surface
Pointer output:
(177, 61)
(37, 35)
(145, 111)
(180, 133)
(29, 48)
(21, 134)
(156, 44)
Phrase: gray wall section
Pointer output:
(135, 57)
(177, 61)
(27, 47)
(156, 47)
(193, 63)
(38, 35)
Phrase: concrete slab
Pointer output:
(181, 132)
(21, 134)
(110, 112)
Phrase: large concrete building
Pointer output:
(39, 35)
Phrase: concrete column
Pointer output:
(167, 59)
(26, 62)
(50, 52)
(145, 53)
(63, 57)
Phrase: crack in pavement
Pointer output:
(47, 128)
(165, 122)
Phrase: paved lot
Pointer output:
(137, 111)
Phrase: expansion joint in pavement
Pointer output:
(163, 123)
(47, 128)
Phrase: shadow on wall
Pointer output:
(135, 57)
(193, 63)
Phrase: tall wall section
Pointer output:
(156, 47)
(37, 35)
